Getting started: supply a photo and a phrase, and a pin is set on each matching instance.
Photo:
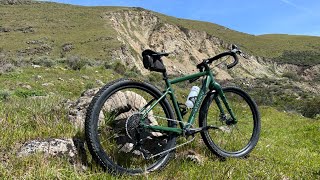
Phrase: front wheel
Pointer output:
(225, 139)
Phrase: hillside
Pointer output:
(51, 53)
(91, 34)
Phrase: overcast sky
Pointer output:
(249, 16)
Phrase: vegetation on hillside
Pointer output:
(36, 29)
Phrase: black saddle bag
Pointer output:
(152, 61)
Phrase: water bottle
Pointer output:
(192, 96)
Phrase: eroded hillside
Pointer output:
(140, 29)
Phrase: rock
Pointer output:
(60, 79)
(85, 77)
(77, 109)
(47, 84)
(53, 147)
(125, 102)
(35, 66)
(26, 86)
(193, 156)
(67, 47)
(99, 82)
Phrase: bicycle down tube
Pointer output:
(207, 83)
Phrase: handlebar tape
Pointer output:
(229, 53)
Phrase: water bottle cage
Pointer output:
(193, 99)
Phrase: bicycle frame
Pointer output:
(208, 83)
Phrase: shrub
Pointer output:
(75, 62)
(119, 68)
(311, 108)
(133, 72)
(291, 75)
(4, 95)
(6, 67)
(155, 77)
(24, 93)
(108, 65)
(134, 69)
(89, 85)
(44, 61)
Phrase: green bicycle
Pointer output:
(132, 128)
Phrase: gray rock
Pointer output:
(53, 147)
(117, 102)
(193, 156)
(85, 77)
(26, 86)
(47, 84)
(99, 82)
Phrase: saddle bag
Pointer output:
(152, 61)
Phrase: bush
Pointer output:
(291, 75)
(89, 86)
(119, 68)
(6, 67)
(75, 62)
(4, 95)
(155, 77)
(133, 72)
(108, 65)
(311, 108)
(23, 93)
(44, 61)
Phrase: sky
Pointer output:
(299, 17)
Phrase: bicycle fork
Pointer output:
(217, 88)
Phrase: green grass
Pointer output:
(288, 147)
(55, 25)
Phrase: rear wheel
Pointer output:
(114, 134)
(235, 140)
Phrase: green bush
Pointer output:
(133, 72)
(108, 65)
(119, 68)
(155, 77)
(310, 108)
(4, 95)
(291, 75)
(75, 62)
(89, 85)
(24, 93)
(44, 61)
(6, 67)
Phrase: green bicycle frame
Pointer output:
(208, 83)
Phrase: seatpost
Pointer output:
(165, 75)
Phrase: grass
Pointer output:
(83, 27)
(288, 147)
